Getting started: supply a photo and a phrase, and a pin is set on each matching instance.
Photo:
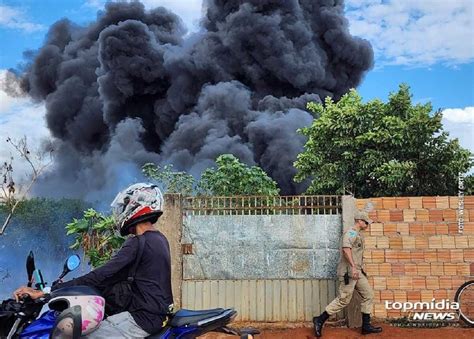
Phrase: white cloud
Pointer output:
(20, 117)
(15, 18)
(460, 115)
(97, 4)
(459, 122)
(415, 33)
(6, 102)
(23, 117)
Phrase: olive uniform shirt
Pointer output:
(354, 240)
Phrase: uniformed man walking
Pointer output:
(350, 272)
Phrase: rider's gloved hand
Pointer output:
(34, 294)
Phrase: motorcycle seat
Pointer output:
(188, 317)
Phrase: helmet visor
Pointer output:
(68, 324)
(118, 205)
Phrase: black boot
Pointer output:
(367, 328)
(319, 322)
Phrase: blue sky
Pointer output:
(425, 43)
(442, 85)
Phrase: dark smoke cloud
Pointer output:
(133, 87)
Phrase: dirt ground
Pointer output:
(352, 333)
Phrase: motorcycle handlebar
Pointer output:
(25, 299)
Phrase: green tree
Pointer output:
(39, 223)
(170, 180)
(95, 233)
(231, 177)
(380, 149)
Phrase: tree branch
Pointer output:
(9, 194)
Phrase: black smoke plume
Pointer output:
(133, 87)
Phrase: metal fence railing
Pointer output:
(264, 205)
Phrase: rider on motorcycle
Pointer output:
(136, 209)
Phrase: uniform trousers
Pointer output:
(345, 295)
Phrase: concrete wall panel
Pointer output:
(261, 246)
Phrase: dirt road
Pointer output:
(346, 333)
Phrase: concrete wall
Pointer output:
(266, 265)
(261, 246)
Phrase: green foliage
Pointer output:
(380, 149)
(44, 211)
(235, 178)
(230, 178)
(42, 220)
(171, 181)
(469, 185)
(95, 233)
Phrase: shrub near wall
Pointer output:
(414, 251)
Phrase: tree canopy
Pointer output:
(171, 181)
(231, 177)
(369, 149)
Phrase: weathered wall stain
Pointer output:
(261, 246)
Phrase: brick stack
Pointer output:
(414, 251)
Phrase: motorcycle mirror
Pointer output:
(30, 267)
(71, 264)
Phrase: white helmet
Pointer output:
(82, 309)
(137, 203)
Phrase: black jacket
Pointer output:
(153, 292)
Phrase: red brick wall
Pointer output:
(414, 251)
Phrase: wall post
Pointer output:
(352, 311)
(171, 224)
(348, 210)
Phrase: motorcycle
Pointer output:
(19, 319)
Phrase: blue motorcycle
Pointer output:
(19, 319)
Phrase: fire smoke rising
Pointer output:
(132, 87)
